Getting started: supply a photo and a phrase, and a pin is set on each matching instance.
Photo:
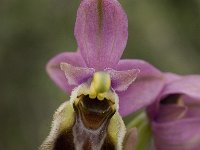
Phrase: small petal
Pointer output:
(57, 75)
(145, 88)
(76, 75)
(101, 31)
(122, 79)
(177, 135)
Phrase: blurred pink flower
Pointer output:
(175, 116)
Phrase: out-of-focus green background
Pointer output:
(165, 33)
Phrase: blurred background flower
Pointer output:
(164, 33)
(175, 116)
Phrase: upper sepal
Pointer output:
(101, 31)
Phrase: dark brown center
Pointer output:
(171, 99)
(89, 131)
(94, 112)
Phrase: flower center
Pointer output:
(101, 83)
(173, 99)
(94, 113)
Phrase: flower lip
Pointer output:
(93, 112)
(84, 89)
(95, 105)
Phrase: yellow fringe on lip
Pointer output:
(100, 84)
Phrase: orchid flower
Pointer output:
(103, 88)
(175, 116)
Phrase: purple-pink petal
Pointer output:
(101, 32)
(76, 75)
(177, 135)
(144, 90)
(57, 75)
(121, 80)
(170, 77)
(193, 108)
(187, 85)
(177, 126)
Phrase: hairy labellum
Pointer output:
(86, 123)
